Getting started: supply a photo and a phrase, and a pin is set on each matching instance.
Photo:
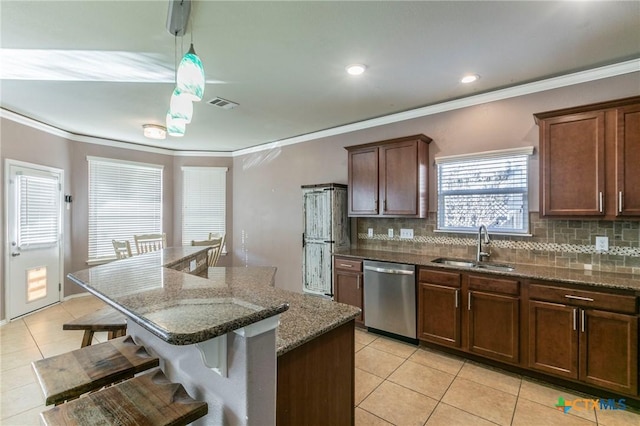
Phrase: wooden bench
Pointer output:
(67, 376)
(148, 399)
(104, 319)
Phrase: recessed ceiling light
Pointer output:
(470, 78)
(356, 69)
(154, 131)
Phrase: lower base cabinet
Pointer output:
(477, 313)
(349, 284)
(565, 331)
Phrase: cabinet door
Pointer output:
(363, 182)
(627, 160)
(439, 314)
(553, 338)
(572, 165)
(349, 290)
(493, 326)
(609, 350)
(399, 178)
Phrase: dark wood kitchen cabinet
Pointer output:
(389, 178)
(348, 281)
(588, 160)
(584, 335)
(476, 313)
(627, 161)
(493, 318)
(439, 307)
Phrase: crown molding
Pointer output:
(607, 71)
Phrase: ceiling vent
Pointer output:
(222, 103)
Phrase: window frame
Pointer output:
(128, 171)
(497, 156)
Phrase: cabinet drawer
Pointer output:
(344, 264)
(450, 279)
(584, 298)
(494, 285)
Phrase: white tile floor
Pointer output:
(396, 383)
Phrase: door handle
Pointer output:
(457, 295)
(15, 254)
(575, 317)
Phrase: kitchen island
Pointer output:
(217, 332)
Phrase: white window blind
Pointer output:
(203, 203)
(39, 209)
(488, 189)
(125, 198)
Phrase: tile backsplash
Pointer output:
(562, 243)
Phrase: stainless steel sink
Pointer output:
(495, 267)
(471, 264)
(455, 262)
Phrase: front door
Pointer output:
(34, 272)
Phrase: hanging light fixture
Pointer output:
(175, 128)
(180, 107)
(190, 79)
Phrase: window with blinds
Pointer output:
(203, 203)
(125, 199)
(39, 209)
(488, 189)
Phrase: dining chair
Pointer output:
(146, 243)
(122, 248)
(215, 247)
(221, 236)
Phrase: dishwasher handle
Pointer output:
(388, 271)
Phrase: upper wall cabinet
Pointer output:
(389, 178)
(588, 160)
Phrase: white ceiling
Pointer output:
(283, 62)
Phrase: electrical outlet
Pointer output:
(370, 232)
(406, 233)
(390, 233)
(602, 244)
(192, 265)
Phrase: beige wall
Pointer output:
(267, 196)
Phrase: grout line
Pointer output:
(515, 406)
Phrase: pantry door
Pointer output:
(34, 237)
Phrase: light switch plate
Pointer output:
(406, 233)
(602, 244)
(370, 232)
(390, 232)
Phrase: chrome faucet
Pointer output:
(479, 253)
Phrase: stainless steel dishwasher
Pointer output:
(390, 298)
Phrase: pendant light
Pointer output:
(190, 79)
(180, 107)
(175, 128)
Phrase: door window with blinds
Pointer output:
(203, 202)
(38, 216)
(125, 199)
(488, 189)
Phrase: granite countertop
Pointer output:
(180, 308)
(308, 316)
(564, 275)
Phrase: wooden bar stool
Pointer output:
(67, 376)
(148, 399)
(104, 319)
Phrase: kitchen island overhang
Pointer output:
(232, 313)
